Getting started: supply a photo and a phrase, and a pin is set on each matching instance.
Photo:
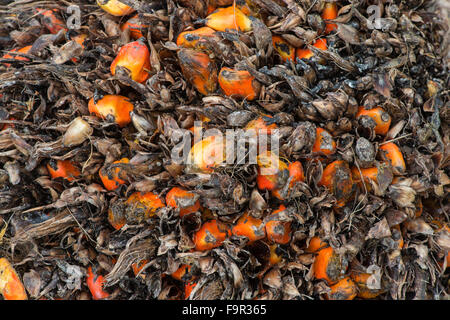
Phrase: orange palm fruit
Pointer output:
(16, 57)
(112, 106)
(391, 154)
(269, 168)
(138, 266)
(279, 231)
(79, 38)
(330, 12)
(190, 39)
(264, 124)
(249, 227)
(344, 289)
(199, 70)
(183, 273)
(275, 256)
(135, 26)
(7, 125)
(11, 287)
(63, 169)
(295, 175)
(228, 19)
(367, 174)
(337, 178)
(381, 118)
(207, 154)
(211, 235)
(324, 143)
(239, 84)
(50, 21)
(183, 199)
(328, 266)
(284, 49)
(142, 205)
(397, 236)
(316, 244)
(112, 175)
(95, 284)
(115, 7)
(362, 280)
(307, 53)
(188, 287)
(134, 56)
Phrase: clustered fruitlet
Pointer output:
(353, 178)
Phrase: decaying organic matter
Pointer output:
(96, 204)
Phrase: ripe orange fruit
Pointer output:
(307, 53)
(115, 7)
(344, 289)
(112, 175)
(199, 70)
(188, 287)
(63, 169)
(381, 118)
(324, 143)
(316, 244)
(230, 18)
(207, 154)
(264, 124)
(328, 265)
(392, 155)
(239, 84)
(269, 168)
(330, 12)
(337, 178)
(95, 284)
(362, 280)
(135, 26)
(16, 57)
(11, 287)
(138, 266)
(249, 227)
(50, 21)
(275, 256)
(284, 49)
(190, 39)
(211, 235)
(295, 175)
(183, 273)
(180, 198)
(279, 231)
(134, 56)
(141, 206)
(114, 107)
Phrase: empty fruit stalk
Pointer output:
(134, 56)
(116, 107)
(239, 84)
(199, 70)
(11, 286)
(115, 7)
(230, 18)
